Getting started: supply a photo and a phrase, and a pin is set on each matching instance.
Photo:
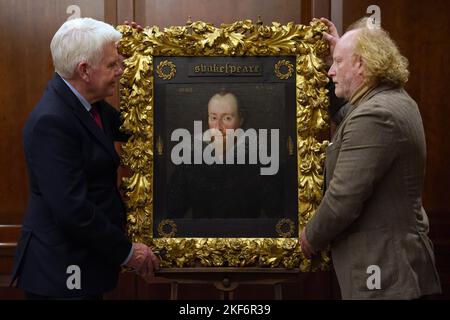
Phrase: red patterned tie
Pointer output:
(94, 112)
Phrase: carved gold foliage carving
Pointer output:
(284, 224)
(166, 74)
(284, 74)
(167, 224)
(242, 38)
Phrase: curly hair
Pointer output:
(381, 57)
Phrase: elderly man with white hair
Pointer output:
(73, 243)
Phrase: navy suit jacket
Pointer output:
(75, 214)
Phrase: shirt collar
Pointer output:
(83, 101)
(360, 93)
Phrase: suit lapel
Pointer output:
(341, 124)
(373, 92)
(107, 125)
(352, 108)
(85, 118)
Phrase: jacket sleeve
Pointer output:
(366, 152)
(57, 163)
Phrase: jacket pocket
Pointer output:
(374, 263)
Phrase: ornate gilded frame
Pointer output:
(242, 38)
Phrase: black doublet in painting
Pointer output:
(221, 191)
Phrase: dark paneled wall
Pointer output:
(177, 12)
(26, 27)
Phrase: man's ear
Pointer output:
(83, 71)
(360, 60)
(360, 64)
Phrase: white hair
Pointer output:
(79, 40)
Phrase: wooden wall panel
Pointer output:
(26, 68)
(321, 8)
(176, 12)
(125, 11)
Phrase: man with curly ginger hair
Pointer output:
(371, 214)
